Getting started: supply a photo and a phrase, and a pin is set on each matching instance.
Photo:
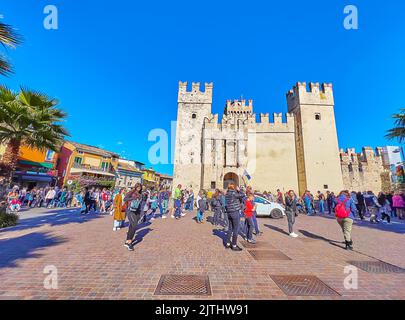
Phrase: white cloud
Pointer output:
(120, 142)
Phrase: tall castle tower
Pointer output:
(193, 108)
(317, 150)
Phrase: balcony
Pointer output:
(86, 168)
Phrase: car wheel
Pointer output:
(276, 214)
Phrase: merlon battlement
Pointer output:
(195, 94)
(314, 94)
(238, 107)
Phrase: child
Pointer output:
(202, 205)
(249, 212)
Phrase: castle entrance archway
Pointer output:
(231, 178)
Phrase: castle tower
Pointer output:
(318, 160)
(193, 108)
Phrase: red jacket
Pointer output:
(249, 209)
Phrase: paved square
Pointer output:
(92, 263)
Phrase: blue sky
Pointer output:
(115, 65)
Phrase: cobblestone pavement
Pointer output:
(92, 262)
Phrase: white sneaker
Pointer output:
(152, 219)
(164, 217)
(172, 216)
(118, 228)
(114, 229)
(183, 214)
(293, 235)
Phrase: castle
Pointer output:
(299, 152)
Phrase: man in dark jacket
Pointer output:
(233, 199)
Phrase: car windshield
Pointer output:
(261, 200)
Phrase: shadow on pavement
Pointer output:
(220, 234)
(53, 218)
(25, 247)
(276, 229)
(140, 235)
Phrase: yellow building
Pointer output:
(150, 178)
(86, 165)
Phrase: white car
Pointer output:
(266, 208)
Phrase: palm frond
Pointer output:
(8, 36)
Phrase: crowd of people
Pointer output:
(141, 204)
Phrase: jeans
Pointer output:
(163, 206)
(200, 215)
(249, 228)
(254, 220)
(133, 218)
(291, 220)
(217, 215)
(177, 204)
(234, 221)
(321, 206)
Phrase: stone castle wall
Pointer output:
(299, 153)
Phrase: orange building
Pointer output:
(35, 168)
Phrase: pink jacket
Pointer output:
(398, 201)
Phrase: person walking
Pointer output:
(134, 202)
(49, 198)
(360, 205)
(290, 211)
(373, 207)
(177, 202)
(250, 208)
(233, 200)
(385, 208)
(308, 203)
(345, 211)
(217, 206)
(330, 201)
(398, 203)
(321, 202)
(202, 206)
(119, 213)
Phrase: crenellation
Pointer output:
(210, 146)
(195, 95)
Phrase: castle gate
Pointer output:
(229, 178)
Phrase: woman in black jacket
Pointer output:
(290, 211)
(233, 200)
(135, 205)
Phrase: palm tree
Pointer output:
(399, 131)
(31, 119)
(8, 38)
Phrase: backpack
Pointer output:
(341, 211)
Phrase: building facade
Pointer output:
(35, 168)
(129, 173)
(292, 154)
(298, 150)
(86, 165)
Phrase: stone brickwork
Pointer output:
(298, 150)
(364, 171)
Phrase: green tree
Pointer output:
(31, 119)
(398, 132)
(8, 38)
